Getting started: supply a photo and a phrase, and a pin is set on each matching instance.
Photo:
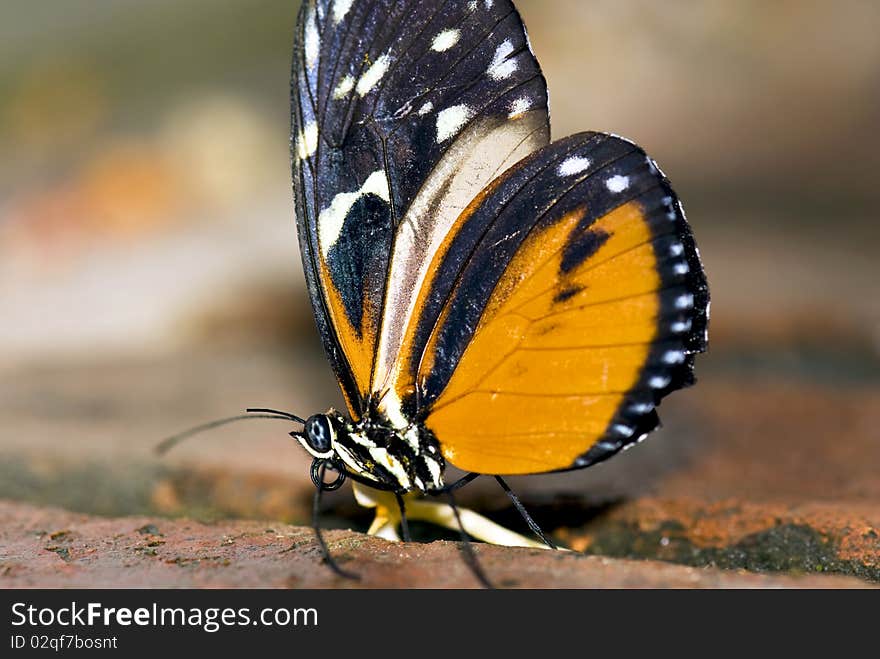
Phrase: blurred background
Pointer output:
(150, 277)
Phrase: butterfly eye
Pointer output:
(319, 433)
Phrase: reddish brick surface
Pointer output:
(46, 547)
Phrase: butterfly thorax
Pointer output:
(373, 449)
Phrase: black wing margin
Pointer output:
(683, 330)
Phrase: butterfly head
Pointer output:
(319, 435)
(373, 452)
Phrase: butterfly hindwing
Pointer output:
(569, 300)
(401, 112)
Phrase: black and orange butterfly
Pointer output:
(487, 298)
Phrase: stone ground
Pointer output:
(51, 547)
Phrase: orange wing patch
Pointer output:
(358, 345)
(565, 335)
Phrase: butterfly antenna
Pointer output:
(265, 410)
(170, 442)
(525, 514)
(404, 524)
(467, 548)
(316, 515)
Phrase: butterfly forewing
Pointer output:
(401, 113)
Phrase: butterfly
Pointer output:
(487, 298)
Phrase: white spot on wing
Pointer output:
(624, 431)
(681, 326)
(312, 39)
(451, 120)
(344, 87)
(673, 357)
(426, 108)
(617, 183)
(377, 184)
(445, 40)
(573, 165)
(373, 75)
(307, 141)
(332, 218)
(681, 268)
(659, 381)
(340, 9)
(519, 106)
(500, 67)
(676, 249)
(685, 301)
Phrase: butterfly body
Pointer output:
(375, 452)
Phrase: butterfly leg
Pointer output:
(404, 525)
(466, 548)
(316, 514)
(525, 513)
(461, 482)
